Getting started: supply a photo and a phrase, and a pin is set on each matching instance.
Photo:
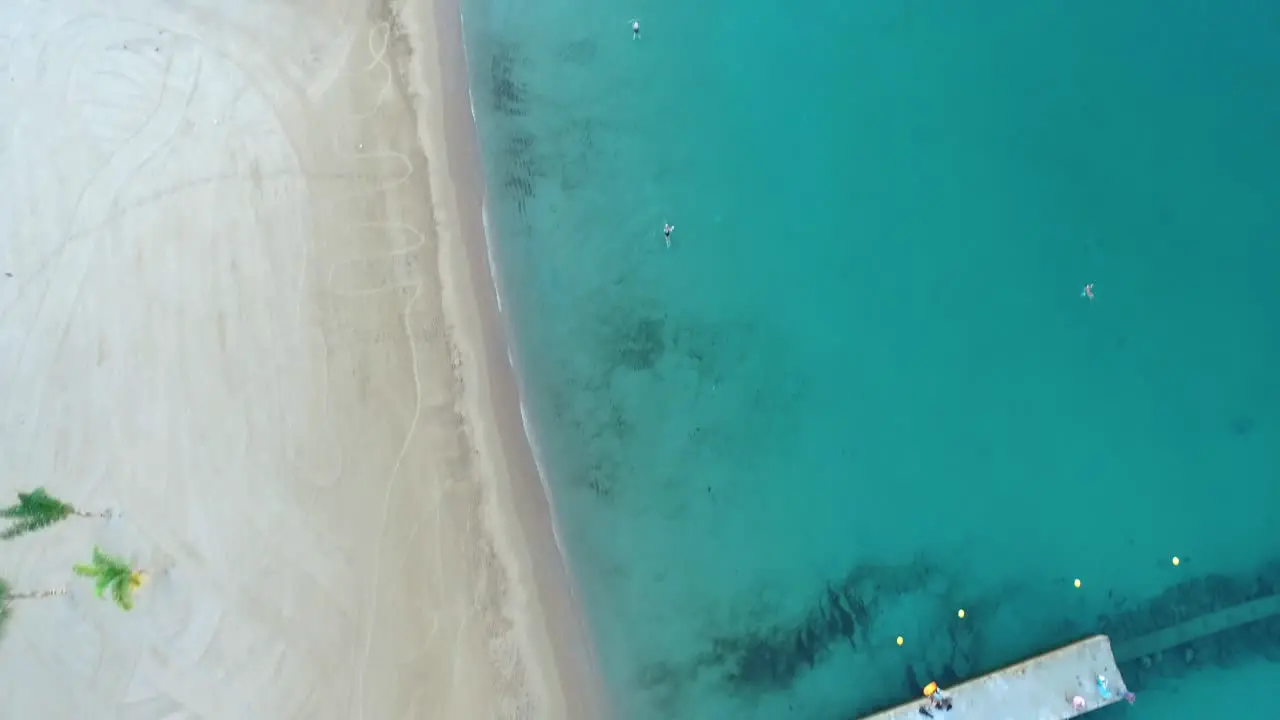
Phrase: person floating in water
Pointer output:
(667, 229)
(635, 29)
(1087, 292)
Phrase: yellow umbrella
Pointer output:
(930, 689)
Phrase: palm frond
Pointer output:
(24, 526)
(35, 510)
(110, 563)
(122, 593)
(4, 605)
(114, 574)
(38, 503)
(105, 581)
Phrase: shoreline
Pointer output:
(562, 642)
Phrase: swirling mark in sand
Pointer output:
(383, 185)
(379, 56)
(404, 255)
(400, 276)
(386, 498)
(155, 132)
(378, 184)
(394, 473)
(210, 34)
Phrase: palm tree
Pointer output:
(115, 574)
(37, 510)
(7, 596)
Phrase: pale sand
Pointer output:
(242, 312)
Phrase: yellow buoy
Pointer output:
(1176, 561)
(899, 639)
(1077, 582)
(960, 613)
(930, 689)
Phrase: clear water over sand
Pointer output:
(861, 390)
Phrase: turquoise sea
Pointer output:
(861, 390)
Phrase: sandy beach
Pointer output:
(244, 304)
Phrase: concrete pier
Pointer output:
(1041, 688)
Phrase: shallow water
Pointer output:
(861, 389)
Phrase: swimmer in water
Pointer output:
(635, 29)
(667, 229)
(1087, 292)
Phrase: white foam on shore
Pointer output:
(509, 341)
(497, 528)
(488, 246)
(546, 488)
(484, 201)
(518, 646)
(494, 274)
